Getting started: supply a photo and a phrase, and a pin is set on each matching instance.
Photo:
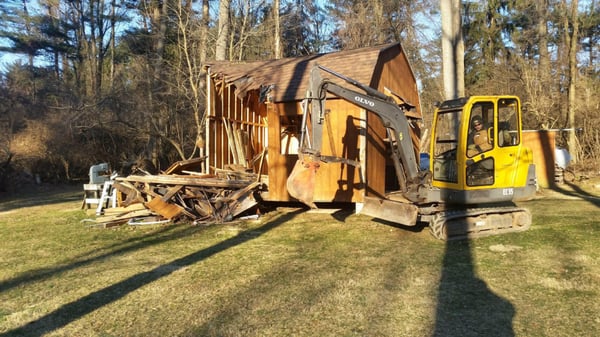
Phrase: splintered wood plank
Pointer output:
(132, 194)
(186, 180)
(182, 165)
(171, 192)
(120, 215)
(164, 208)
(122, 211)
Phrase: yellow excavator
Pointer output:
(478, 167)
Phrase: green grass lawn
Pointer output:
(293, 273)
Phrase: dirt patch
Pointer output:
(558, 284)
(500, 248)
(585, 187)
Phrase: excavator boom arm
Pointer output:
(301, 181)
(389, 112)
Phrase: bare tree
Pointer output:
(541, 11)
(359, 23)
(204, 30)
(188, 82)
(571, 28)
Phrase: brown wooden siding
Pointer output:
(335, 181)
(341, 138)
(376, 156)
(542, 144)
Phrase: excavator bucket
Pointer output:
(301, 182)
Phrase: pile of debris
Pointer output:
(182, 194)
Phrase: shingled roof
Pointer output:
(289, 76)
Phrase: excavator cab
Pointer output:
(477, 155)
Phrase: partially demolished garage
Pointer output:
(252, 131)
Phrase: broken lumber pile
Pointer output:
(179, 194)
(116, 216)
(201, 199)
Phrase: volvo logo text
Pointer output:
(364, 101)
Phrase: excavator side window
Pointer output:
(480, 169)
(481, 120)
(508, 122)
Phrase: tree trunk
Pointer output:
(84, 82)
(277, 43)
(453, 49)
(591, 36)
(99, 51)
(205, 26)
(572, 140)
(28, 29)
(156, 122)
(113, 23)
(93, 53)
(542, 31)
(223, 31)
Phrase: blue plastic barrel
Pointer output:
(424, 161)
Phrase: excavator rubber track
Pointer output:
(479, 222)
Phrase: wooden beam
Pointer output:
(186, 180)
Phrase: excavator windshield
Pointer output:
(447, 131)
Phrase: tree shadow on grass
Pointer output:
(466, 306)
(40, 195)
(573, 190)
(87, 304)
(163, 235)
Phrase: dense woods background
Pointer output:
(121, 81)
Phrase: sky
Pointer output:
(8, 58)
